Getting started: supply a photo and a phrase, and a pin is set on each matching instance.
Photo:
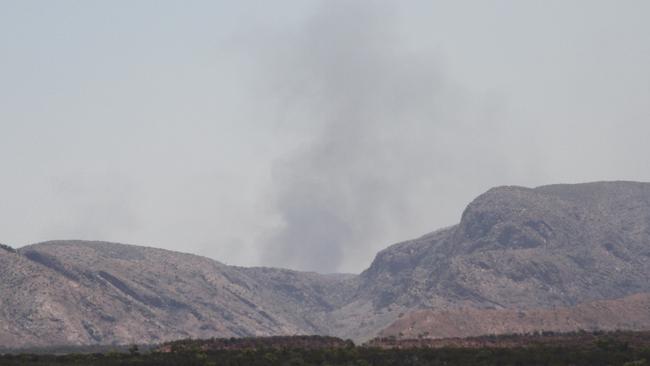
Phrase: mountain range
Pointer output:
(557, 257)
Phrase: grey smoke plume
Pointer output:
(379, 120)
(386, 132)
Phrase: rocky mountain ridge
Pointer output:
(73, 292)
(515, 248)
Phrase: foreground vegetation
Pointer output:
(601, 349)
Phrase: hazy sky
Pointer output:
(306, 134)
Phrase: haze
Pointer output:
(306, 134)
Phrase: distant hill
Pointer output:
(72, 292)
(522, 248)
(515, 251)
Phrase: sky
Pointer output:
(306, 134)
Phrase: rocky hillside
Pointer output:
(71, 292)
(630, 313)
(518, 248)
(515, 248)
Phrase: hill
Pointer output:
(540, 252)
(522, 248)
(73, 292)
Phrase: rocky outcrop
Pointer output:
(522, 248)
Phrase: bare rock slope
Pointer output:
(629, 313)
(73, 292)
(515, 248)
(521, 248)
